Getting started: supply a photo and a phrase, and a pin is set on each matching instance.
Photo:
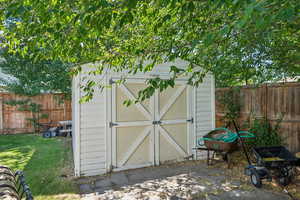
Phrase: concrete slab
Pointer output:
(189, 180)
(86, 188)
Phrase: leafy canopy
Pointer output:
(237, 40)
(33, 78)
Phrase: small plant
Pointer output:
(34, 108)
(266, 135)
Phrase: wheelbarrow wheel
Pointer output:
(255, 178)
(225, 157)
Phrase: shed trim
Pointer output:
(108, 129)
(213, 100)
(76, 124)
(195, 122)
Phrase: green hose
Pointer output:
(228, 137)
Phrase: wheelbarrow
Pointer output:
(222, 141)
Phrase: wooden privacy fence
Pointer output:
(14, 121)
(272, 102)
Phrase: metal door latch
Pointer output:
(190, 120)
(156, 122)
(111, 124)
(111, 81)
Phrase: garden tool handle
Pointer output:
(242, 143)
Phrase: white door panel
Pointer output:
(150, 132)
(132, 128)
(172, 122)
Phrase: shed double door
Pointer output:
(151, 132)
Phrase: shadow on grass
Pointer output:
(45, 162)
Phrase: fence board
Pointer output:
(271, 101)
(14, 121)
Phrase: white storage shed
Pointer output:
(108, 136)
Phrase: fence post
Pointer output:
(266, 102)
(65, 112)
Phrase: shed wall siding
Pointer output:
(205, 107)
(93, 136)
(204, 110)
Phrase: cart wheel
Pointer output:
(284, 181)
(255, 178)
(286, 176)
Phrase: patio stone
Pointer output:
(192, 180)
(85, 188)
(103, 183)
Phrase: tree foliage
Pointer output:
(237, 40)
(32, 78)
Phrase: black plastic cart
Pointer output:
(271, 162)
(275, 161)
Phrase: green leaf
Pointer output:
(225, 30)
(209, 39)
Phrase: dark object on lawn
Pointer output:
(65, 128)
(61, 128)
(13, 185)
(274, 161)
(51, 132)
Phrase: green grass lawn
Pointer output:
(47, 164)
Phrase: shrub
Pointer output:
(266, 135)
